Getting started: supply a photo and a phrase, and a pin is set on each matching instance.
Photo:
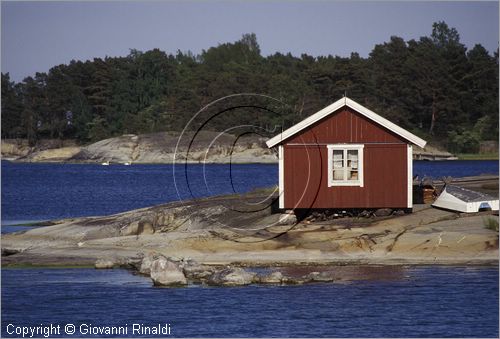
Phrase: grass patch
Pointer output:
(475, 156)
(491, 223)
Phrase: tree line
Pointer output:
(433, 86)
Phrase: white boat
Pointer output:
(106, 163)
(464, 200)
(127, 163)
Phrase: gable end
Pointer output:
(327, 111)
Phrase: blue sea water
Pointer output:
(49, 191)
(427, 301)
(455, 168)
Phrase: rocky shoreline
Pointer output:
(161, 148)
(156, 148)
(179, 272)
(240, 239)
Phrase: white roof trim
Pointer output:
(355, 106)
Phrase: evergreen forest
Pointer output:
(434, 86)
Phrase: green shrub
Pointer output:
(463, 142)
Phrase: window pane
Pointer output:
(352, 159)
(352, 175)
(338, 174)
(338, 165)
(338, 161)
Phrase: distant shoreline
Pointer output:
(142, 163)
(198, 163)
(160, 148)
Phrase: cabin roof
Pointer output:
(345, 101)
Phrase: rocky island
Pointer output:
(215, 241)
(161, 148)
(146, 149)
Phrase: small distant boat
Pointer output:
(106, 163)
(127, 163)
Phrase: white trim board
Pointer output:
(410, 175)
(281, 177)
(334, 107)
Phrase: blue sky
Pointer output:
(38, 35)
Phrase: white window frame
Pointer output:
(345, 148)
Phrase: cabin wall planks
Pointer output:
(385, 165)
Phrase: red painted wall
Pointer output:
(384, 165)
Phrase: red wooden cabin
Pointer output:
(344, 157)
